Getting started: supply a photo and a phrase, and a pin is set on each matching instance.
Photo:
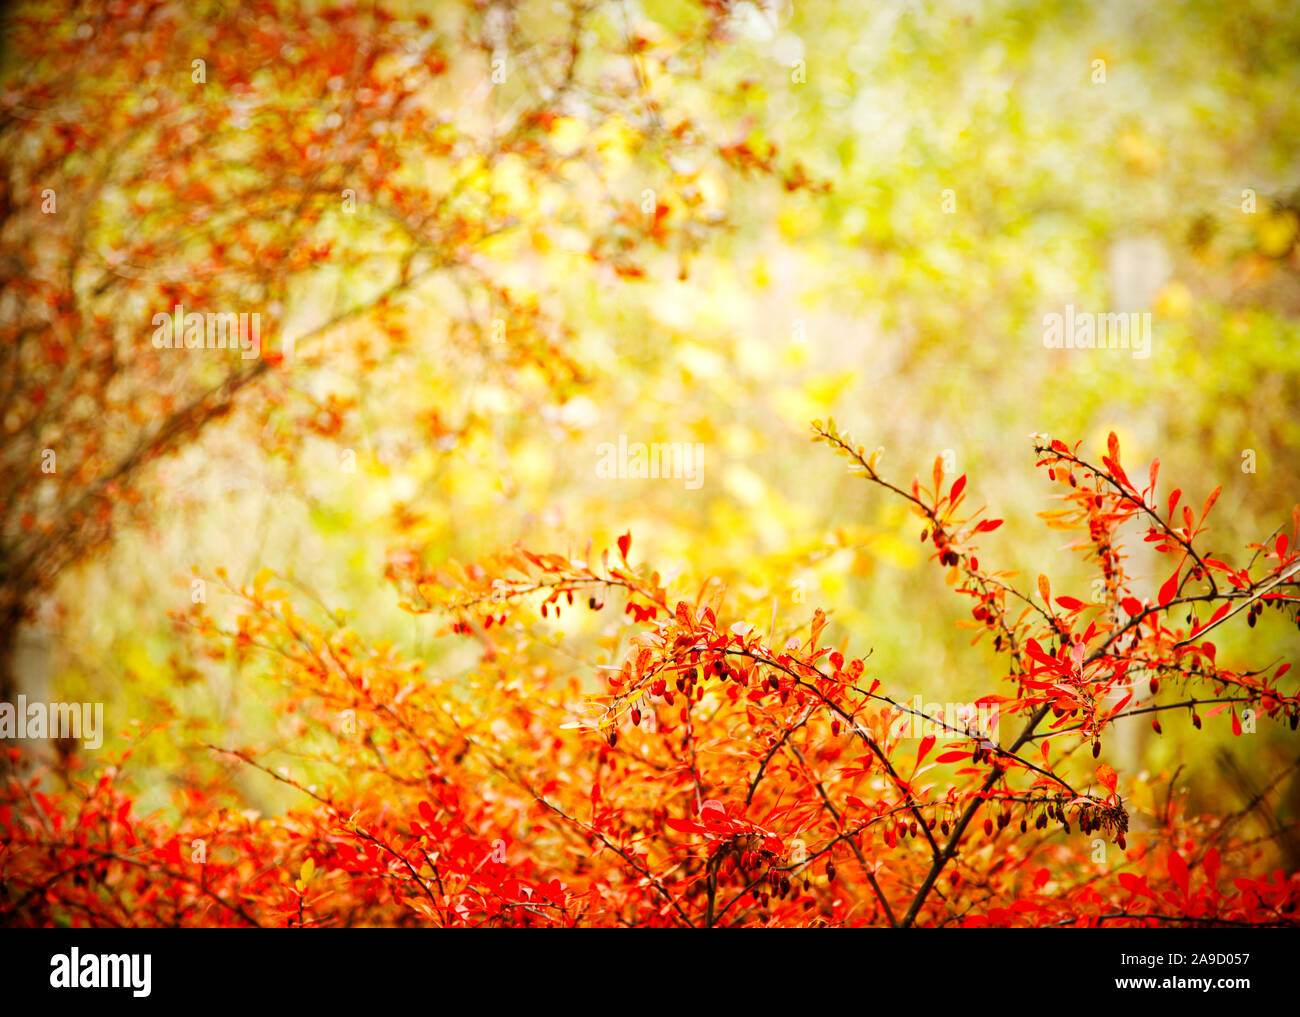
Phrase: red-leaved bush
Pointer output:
(724, 779)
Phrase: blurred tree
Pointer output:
(169, 167)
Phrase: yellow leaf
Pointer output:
(1173, 301)
(568, 135)
(1277, 233)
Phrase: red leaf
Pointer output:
(171, 851)
(927, 743)
(953, 756)
(1168, 590)
(1211, 865)
(958, 486)
(1178, 871)
(1106, 777)
(1118, 470)
(625, 542)
(1041, 655)
(1070, 603)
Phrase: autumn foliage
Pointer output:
(462, 223)
(733, 771)
(236, 158)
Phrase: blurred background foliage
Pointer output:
(918, 329)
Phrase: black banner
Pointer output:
(137, 968)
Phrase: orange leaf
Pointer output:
(1209, 502)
